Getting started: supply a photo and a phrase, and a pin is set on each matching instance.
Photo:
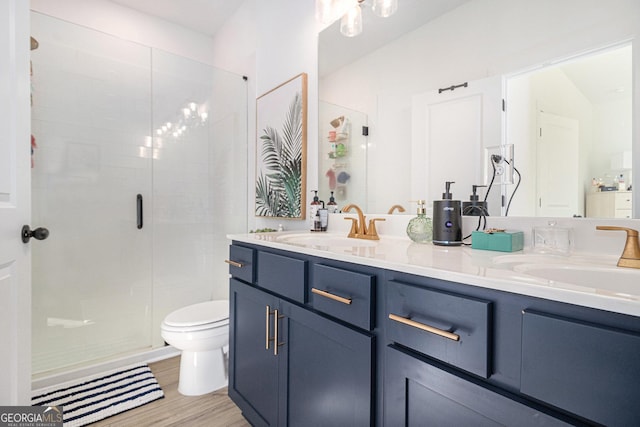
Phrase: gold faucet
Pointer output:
(631, 254)
(359, 228)
(394, 207)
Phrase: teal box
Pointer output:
(502, 241)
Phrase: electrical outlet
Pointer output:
(499, 160)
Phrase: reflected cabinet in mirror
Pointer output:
(531, 102)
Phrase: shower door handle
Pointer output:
(139, 211)
(39, 233)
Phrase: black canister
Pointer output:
(447, 219)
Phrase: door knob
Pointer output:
(39, 233)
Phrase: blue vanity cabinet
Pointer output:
(365, 346)
(290, 365)
(420, 392)
(549, 362)
(329, 380)
(253, 368)
(589, 369)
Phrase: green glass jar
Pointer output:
(420, 228)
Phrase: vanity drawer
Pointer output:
(283, 275)
(622, 213)
(242, 263)
(344, 294)
(449, 327)
(588, 369)
(623, 200)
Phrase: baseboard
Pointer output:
(149, 356)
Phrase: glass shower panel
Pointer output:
(91, 119)
(199, 180)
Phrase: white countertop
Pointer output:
(463, 265)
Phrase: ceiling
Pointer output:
(203, 16)
(377, 31)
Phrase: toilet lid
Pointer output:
(199, 314)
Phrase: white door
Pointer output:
(15, 283)
(467, 118)
(558, 188)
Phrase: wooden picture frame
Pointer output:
(281, 150)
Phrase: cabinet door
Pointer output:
(588, 369)
(253, 367)
(330, 371)
(417, 393)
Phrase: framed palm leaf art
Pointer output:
(281, 150)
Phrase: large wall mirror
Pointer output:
(393, 127)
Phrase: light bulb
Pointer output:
(351, 23)
(384, 8)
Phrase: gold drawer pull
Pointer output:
(267, 338)
(331, 296)
(234, 263)
(276, 342)
(424, 327)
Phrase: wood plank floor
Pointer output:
(210, 410)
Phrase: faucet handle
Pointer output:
(372, 232)
(354, 227)
(631, 253)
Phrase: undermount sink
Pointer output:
(324, 240)
(617, 280)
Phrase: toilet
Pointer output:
(201, 332)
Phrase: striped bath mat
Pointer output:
(100, 396)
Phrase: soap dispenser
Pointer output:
(313, 208)
(475, 207)
(447, 219)
(420, 228)
(332, 206)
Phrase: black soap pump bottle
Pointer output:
(447, 219)
(475, 207)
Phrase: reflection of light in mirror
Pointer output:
(384, 8)
(351, 23)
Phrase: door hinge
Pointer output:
(365, 130)
(504, 105)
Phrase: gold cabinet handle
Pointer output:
(424, 327)
(276, 320)
(267, 339)
(234, 263)
(331, 296)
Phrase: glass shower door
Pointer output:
(91, 120)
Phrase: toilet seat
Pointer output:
(197, 317)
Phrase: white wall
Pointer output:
(286, 46)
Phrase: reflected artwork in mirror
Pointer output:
(514, 62)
